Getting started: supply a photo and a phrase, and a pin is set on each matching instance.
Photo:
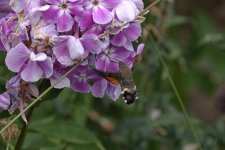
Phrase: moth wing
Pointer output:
(113, 80)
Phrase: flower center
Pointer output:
(64, 6)
(95, 2)
(83, 76)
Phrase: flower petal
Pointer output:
(53, 2)
(38, 57)
(110, 3)
(50, 13)
(47, 67)
(112, 66)
(4, 101)
(16, 5)
(16, 57)
(32, 72)
(129, 14)
(76, 10)
(101, 62)
(113, 92)
(91, 43)
(22, 112)
(33, 90)
(98, 89)
(85, 20)
(80, 85)
(139, 4)
(101, 15)
(119, 53)
(64, 21)
(133, 31)
(75, 47)
(62, 55)
(140, 48)
(62, 84)
(119, 40)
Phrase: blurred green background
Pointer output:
(190, 36)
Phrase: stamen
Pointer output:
(95, 2)
(64, 6)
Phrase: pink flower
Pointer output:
(101, 10)
(61, 11)
(31, 66)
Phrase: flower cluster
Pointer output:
(43, 39)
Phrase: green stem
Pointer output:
(41, 96)
(23, 132)
(145, 11)
(180, 101)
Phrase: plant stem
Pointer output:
(145, 11)
(23, 132)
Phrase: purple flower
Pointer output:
(67, 48)
(129, 34)
(102, 87)
(42, 36)
(43, 39)
(99, 87)
(59, 71)
(31, 66)
(55, 77)
(80, 79)
(84, 20)
(101, 10)
(44, 31)
(61, 11)
(21, 94)
(131, 60)
(108, 59)
(6, 32)
(4, 101)
(91, 43)
(113, 92)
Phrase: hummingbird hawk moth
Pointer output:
(125, 79)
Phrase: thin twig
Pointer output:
(147, 9)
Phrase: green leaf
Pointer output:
(176, 20)
(4, 114)
(81, 108)
(212, 38)
(2, 58)
(69, 132)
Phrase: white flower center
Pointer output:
(38, 57)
